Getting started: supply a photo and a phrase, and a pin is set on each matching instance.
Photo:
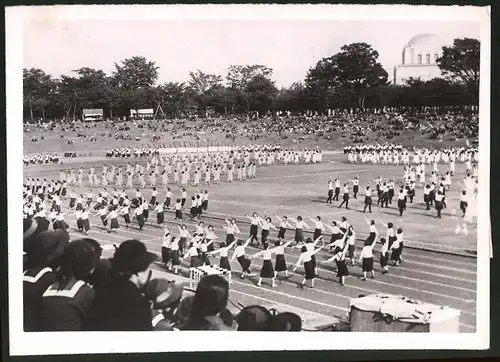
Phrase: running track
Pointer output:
(432, 277)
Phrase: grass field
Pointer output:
(429, 276)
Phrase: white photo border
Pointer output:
(127, 342)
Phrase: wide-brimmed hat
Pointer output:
(132, 257)
(163, 293)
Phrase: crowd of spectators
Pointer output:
(70, 286)
(354, 126)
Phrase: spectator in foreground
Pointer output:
(67, 301)
(209, 311)
(120, 305)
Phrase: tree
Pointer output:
(38, 87)
(202, 82)
(262, 94)
(460, 62)
(135, 73)
(239, 78)
(354, 68)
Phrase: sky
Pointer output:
(290, 47)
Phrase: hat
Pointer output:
(78, 256)
(285, 322)
(253, 318)
(51, 244)
(163, 293)
(132, 257)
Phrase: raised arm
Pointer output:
(247, 242)
(306, 226)
(299, 261)
(317, 240)
(292, 220)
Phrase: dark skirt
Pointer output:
(309, 270)
(391, 193)
(384, 258)
(280, 265)
(146, 214)
(395, 254)
(140, 220)
(79, 207)
(281, 233)
(126, 217)
(342, 270)
(182, 243)
(401, 204)
(335, 237)
(79, 224)
(264, 235)
(368, 200)
(253, 231)
(367, 264)
(439, 205)
(346, 197)
(313, 261)
(224, 263)
(193, 211)
(317, 233)
(86, 224)
(178, 214)
(205, 259)
(195, 262)
(391, 240)
(199, 210)
(153, 200)
(267, 270)
(299, 236)
(72, 202)
(204, 205)
(160, 218)
(104, 221)
(245, 263)
(350, 251)
(229, 238)
(165, 254)
(174, 254)
(114, 224)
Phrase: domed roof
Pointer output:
(431, 40)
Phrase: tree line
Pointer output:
(351, 78)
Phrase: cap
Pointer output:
(132, 257)
(51, 244)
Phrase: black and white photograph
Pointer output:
(255, 168)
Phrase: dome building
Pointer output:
(418, 59)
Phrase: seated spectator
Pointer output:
(258, 318)
(209, 311)
(67, 301)
(166, 297)
(38, 276)
(120, 305)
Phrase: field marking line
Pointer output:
(154, 237)
(370, 290)
(141, 235)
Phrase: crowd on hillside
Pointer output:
(356, 126)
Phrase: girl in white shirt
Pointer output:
(267, 270)
(309, 270)
(231, 229)
(280, 264)
(266, 225)
(160, 213)
(339, 258)
(223, 252)
(351, 243)
(345, 198)
(384, 255)
(319, 227)
(125, 212)
(193, 210)
(178, 209)
(210, 236)
(138, 212)
(366, 258)
(310, 245)
(373, 232)
(284, 224)
(183, 235)
(239, 254)
(299, 229)
(154, 195)
(174, 255)
(254, 224)
(113, 217)
(390, 233)
(397, 247)
(192, 253)
(336, 234)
